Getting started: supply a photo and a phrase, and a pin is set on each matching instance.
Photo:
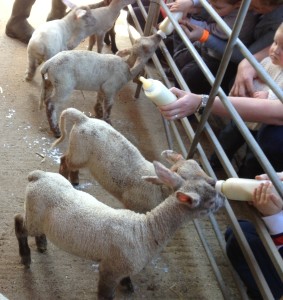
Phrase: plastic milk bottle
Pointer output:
(239, 188)
(166, 26)
(157, 91)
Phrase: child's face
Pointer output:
(276, 49)
(222, 7)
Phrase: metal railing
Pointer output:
(194, 137)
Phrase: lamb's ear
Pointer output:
(167, 177)
(152, 179)
(172, 156)
(191, 199)
(123, 52)
(69, 4)
(80, 13)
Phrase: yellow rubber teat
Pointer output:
(146, 83)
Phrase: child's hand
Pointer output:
(266, 202)
(261, 94)
(193, 32)
(185, 6)
(265, 176)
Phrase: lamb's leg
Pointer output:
(33, 63)
(106, 286)
(91, 42)
(61, 94)
(127, 282)
(64, 171)
(41, 243)
(98, 108)
(107, 106)
(100, 42)
(112, 35)
(52, 118)
(22, 237)
(46, 91)
(107, 38)
(74, 178)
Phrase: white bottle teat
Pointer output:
(147, 84)
(166, 26)
(157, 91)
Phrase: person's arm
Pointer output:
(186, 6)
(243, 85)
(261, 94)
(250, 109)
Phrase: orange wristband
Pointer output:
(204, 37)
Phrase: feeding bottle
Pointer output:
(239, 188)
(157, 91)
(166, 26)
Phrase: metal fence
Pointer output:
(194, 146)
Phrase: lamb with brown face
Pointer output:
(122, 241)
(114, 162)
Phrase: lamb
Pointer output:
(106, 17)
(88, 70)
(53, 36)
(122, 241)
(110, 36)
(114, 162)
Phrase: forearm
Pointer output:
(250, 109)
(253, 110)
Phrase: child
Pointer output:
(206, 29)
(273, 64)
(270, 206)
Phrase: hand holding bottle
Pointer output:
(264, 199)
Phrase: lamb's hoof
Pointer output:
(57, 133)
(28, 77)
(127, 283)
(107, 120)
(41, 243)
(26, 261)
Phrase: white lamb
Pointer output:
(106, 15)
(114, 162)
(88, 70)
(53, 37)
(122, 241)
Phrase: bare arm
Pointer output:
(250, 109)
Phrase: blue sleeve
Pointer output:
(219, 46)
(263, 35)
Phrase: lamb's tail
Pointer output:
(45, 84)
(74, 116)
(35, 175)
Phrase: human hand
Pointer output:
(186, 105)
(265, 201)
(243, 85)
(261, 94)
(185, 6)
(265, 176)
(192, 31)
